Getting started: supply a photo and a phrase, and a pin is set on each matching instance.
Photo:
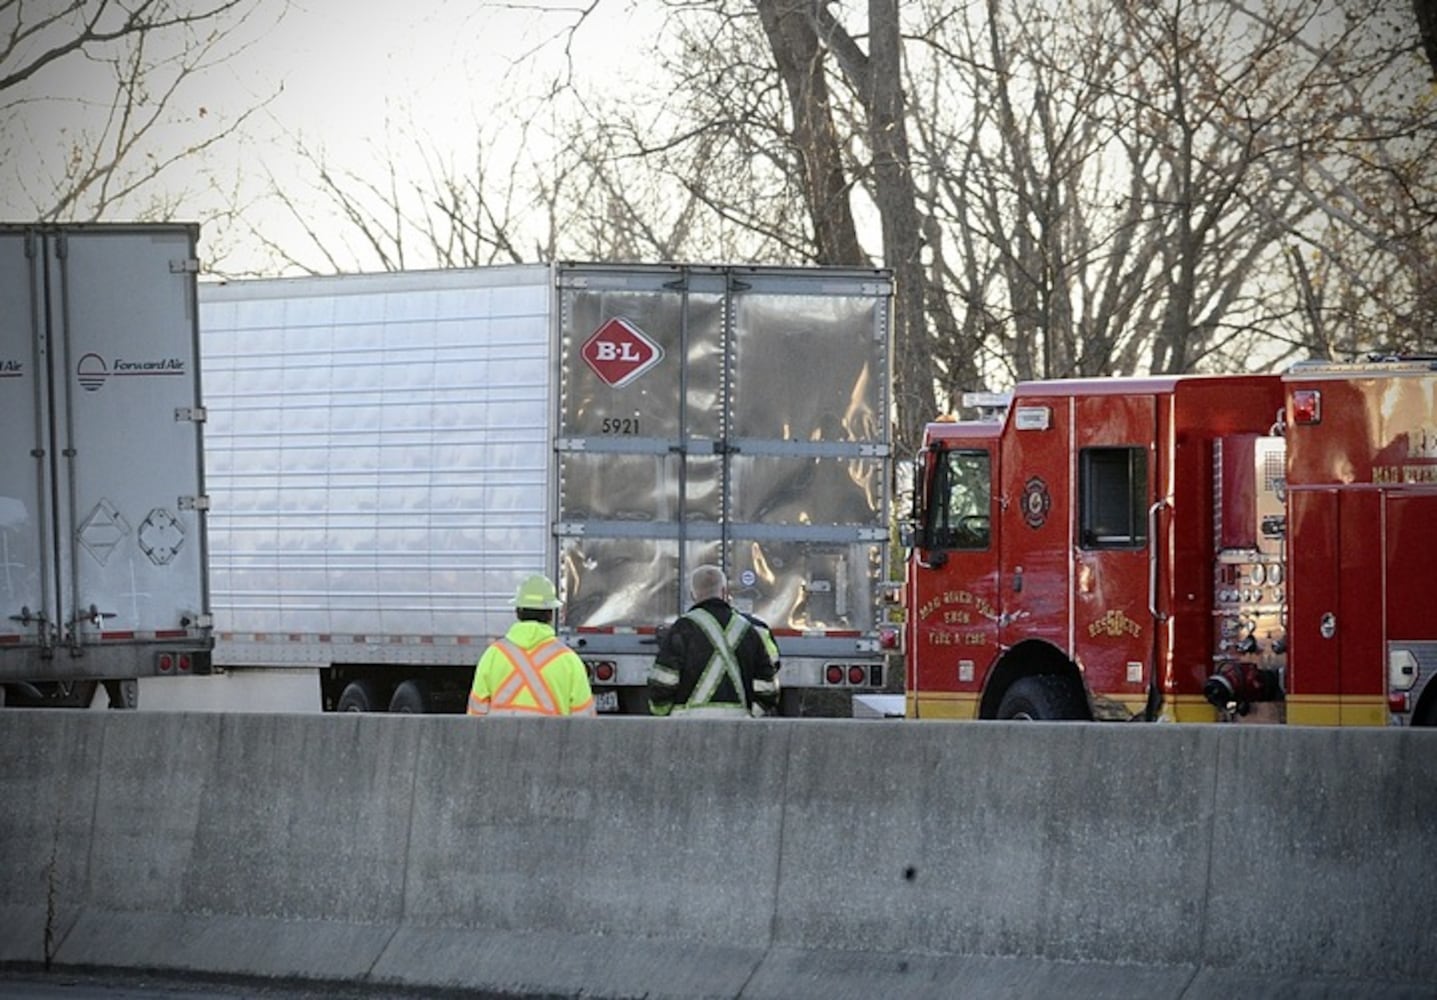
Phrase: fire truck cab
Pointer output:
(1183, 548)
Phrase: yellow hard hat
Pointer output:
(536, 594)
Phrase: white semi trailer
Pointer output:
(102, 503)
(389, 454)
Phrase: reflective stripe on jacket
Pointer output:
(712, 662)
(530, 672)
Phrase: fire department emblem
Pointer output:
(1036, 502)
(619, 352)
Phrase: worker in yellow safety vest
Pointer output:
(529, 671)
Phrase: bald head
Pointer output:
(708, 582)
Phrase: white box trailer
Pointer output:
(389, 454)
(102, 506)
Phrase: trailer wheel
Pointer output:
(411, 698)
(358, 696)
(1043, 697)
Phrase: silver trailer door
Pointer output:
(121, 352)
(737, 416)
(27, 598)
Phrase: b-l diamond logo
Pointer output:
(620, 352)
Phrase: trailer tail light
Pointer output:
(604, 671)
(174, 663)
(1306, 406)
(854, 674)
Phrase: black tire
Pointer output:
(123, 693)
(53, 694)
(1043, 698)
(1427, 715)
(358, 696)
(411, 698)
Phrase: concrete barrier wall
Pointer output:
(774, 859)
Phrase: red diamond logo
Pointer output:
(620, 352)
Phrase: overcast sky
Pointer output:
(439, 68)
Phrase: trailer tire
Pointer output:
(411, 698)
(1042, 698)
(358, 696)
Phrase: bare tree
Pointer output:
(99, 103)
(1123, 180)
(1078, 188)
(431, 208)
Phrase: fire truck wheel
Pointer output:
(411, 698)
(358, 696)
(1428, 715)
(1044, 697)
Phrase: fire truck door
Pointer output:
(954, 614)
(1114, 615)
(1036, 535)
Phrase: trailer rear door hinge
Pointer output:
(194, 414)
(185, 265)
(194, 503)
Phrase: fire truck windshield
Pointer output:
(958, 517)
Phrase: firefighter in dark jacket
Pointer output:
(713, 661)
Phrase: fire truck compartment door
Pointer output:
(1337, 663)
(1409, 581)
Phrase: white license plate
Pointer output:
(606, 701)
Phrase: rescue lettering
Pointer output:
(1114, 624)
(1422, 443)
(1395, 474)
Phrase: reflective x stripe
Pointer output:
(723, 660)
(664, 676)
(526, 675)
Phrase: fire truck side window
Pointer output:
(962, 496)
(1113, 485)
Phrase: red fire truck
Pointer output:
(1185, 548)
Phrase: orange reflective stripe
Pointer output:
(522, 710)
(526, 675)
(478, 705)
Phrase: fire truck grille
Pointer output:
(1273, 474)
